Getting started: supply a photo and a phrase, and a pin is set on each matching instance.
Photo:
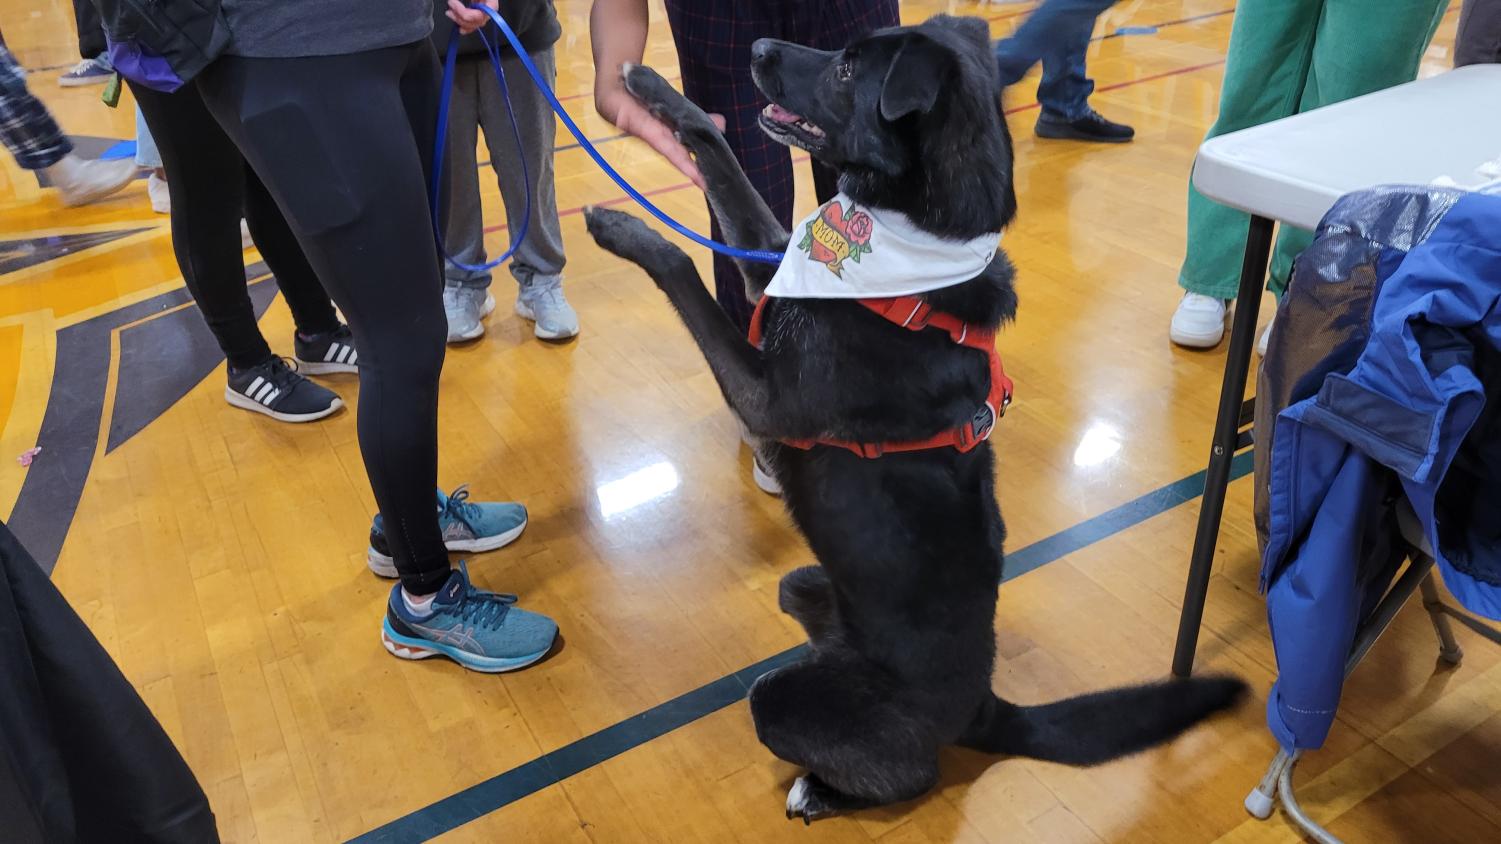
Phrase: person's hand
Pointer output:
(616, 105)
(468, 20)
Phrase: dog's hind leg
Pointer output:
(807, 595)
(743, 215)
(850, 728)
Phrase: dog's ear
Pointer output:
(915, 76)
(975, 29)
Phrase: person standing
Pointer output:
(1057, 34)
(477, 104)
(335, 111)
(1287, 57)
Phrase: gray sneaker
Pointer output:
(542, 302)
(466, 307)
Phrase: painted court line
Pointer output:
(549, 769)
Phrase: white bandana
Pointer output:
(847, 251)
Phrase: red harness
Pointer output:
(914, 314)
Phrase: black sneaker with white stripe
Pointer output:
(326, 353)
(280, 392)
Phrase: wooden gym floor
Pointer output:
(219, 555)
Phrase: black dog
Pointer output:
(900, 610)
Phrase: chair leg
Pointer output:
(1448, 647)
(1222, 450)
(1290, 802)
(1262, 799)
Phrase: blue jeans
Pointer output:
(1056, 34)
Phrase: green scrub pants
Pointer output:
(1287, 57)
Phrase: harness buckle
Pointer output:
(982, 423)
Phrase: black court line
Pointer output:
(506, 788)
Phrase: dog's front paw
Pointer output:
(667, 104)
(630, 238)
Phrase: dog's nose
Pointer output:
(764, 51)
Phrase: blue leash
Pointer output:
(440, 144)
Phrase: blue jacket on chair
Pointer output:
(1375, 387)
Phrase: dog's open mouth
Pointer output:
(790, 128)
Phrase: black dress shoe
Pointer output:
(1090, 127)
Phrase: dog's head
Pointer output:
(910, 116)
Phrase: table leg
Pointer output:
(1226, 427)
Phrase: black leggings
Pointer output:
(344, 143)
(211, 188)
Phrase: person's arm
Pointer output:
(617, 33)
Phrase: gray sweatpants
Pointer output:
(477, 104)
(1479, 38)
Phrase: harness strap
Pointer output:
(915, 314)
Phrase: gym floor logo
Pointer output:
(832, 238)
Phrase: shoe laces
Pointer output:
(1199, 302)
(547, 296)
(281, 372)
(485, 609)
(83, 67)
(459, 507)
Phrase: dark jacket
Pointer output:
(535, 23)
(1382, 381)
(82, 759)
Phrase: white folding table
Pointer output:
(1292, 170)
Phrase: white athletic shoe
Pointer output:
(81, 181)
(156, 191)
(466, 309)
(1199, 322)
(764, 479)
(1266, 335)
(542, 302)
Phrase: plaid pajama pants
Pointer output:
(26, 128)
(714, 40)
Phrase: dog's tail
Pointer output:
(1098, 727)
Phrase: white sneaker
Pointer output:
(82, 181)
(764, 479)
(161, 198)
(542, 302)
(1199, 322)
(466, 309)
(1266, 335)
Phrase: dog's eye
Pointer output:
(845, 71)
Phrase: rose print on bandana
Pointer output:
(831, 238)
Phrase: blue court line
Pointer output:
(549, 769)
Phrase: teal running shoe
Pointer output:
(468, 527)
(482, 631)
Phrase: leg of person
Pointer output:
(1064, 95)
(1266, 67)
(1479, 38)
(538, 263)
(1355, 53)
(466, 293)
(95, 67)
(149, 158)
(1054, 28)
(348, 162)
(37, 143)
(713, 40)
(321, 344)
(833, 26)
(204, 177)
